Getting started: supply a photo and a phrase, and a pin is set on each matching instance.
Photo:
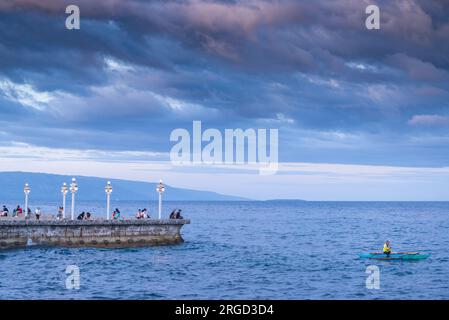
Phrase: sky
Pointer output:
(361, 114)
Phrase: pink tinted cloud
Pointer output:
(417, 69)
(429, 120)
(210, 15)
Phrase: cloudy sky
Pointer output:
(362, 114)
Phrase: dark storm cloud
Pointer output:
(141, 68)
(307, 36)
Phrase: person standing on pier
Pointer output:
(37, 213)
(59, 216)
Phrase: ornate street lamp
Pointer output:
(160, 189)
(64, 190)
(27, 191)
(108, 190)
(73, 190)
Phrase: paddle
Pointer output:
(406, 252)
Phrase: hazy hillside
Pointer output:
(47, 187)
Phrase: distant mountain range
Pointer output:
(47, 187)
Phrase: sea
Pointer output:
(249, 250)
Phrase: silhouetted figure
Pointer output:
(173, 214)
(28, 215)
(178, 214)
(81, 216)
(37, 213)
(17, 211)
(4, 212)
(60, 211)
(116, 214)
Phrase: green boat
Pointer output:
(395, 256)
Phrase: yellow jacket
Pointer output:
(387, 248)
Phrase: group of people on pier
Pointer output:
(116, 215)
(143, 214)
(176, 214)
(19, 212)
(84, 216)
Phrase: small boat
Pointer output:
(395, 256)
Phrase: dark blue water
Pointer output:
(252, 250)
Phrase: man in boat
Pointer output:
(387, 249)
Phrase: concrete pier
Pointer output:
(95, 233)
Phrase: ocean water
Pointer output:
(251, 250)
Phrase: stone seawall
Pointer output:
(96, 233)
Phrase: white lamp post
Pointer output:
(73, 190)
(108, 190)
(27, 191)
(160, 189)
(64, 190)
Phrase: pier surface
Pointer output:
(94, 233)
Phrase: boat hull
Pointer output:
(395, 256)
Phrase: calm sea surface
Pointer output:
(250, 250)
